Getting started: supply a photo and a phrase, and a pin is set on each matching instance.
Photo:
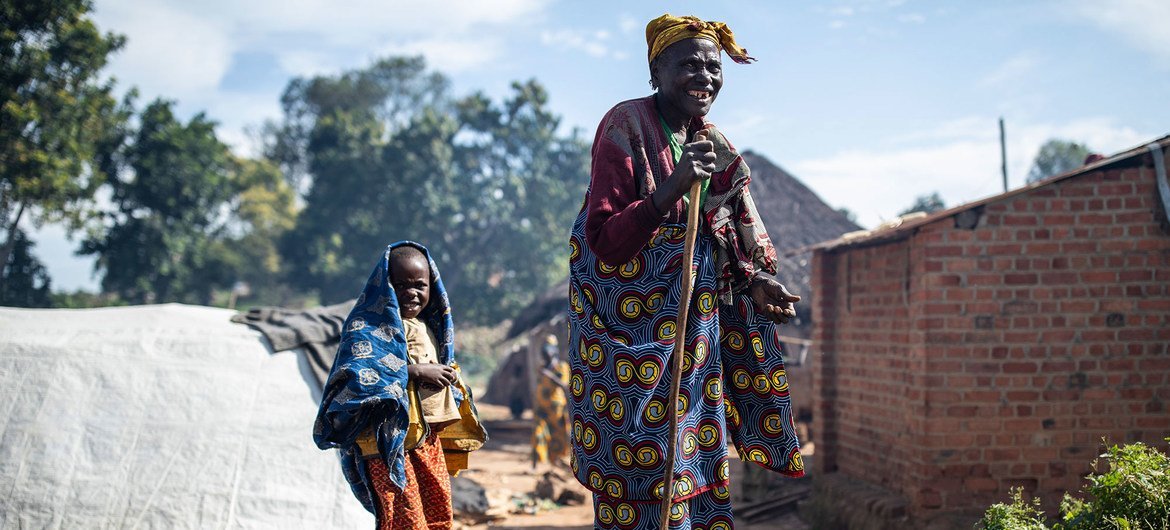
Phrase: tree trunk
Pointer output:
(10, 244)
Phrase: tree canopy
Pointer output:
(926, 203)
(163, 240)
(384, 154)
(1057, 156)
(56, 113)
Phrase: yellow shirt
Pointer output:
(437, 405)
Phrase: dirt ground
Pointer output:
(504, 468)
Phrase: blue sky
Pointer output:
(870, 103)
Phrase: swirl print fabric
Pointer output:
(710, 510)
(622, 328)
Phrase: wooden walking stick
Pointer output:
(680, 336)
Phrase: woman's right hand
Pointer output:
(431, 375)
(696, 164)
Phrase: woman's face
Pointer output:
(688, 74)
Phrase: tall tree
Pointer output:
(24, 281)
(516, 222)
(926, 203)
(1057, 156)
(55, 112)
(165, 239)
(262, 211)
(490, 188)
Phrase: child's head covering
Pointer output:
(667, 29)
(367, 385)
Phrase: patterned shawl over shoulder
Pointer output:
(367, 385)
(742, 246)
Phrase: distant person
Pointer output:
(397, 340)
(550, 436)
(625, 265)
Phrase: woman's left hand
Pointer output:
(773, 300)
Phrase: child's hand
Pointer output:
(431, 375)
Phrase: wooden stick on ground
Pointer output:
(680, 335)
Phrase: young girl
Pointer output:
(399, 332)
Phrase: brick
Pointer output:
(961, 411)
(981, 484)
(1020, 368)
(1056, 278)
(944, 251)
(943, 280)
(1099, 277)
(1044, 247)
(1020, 278)
(1020, 220)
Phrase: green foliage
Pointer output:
(165, 240)
(84, 300)
(24, 281)
(55, 114)
(384, 154)
(926, 203)
(477, 352)
(1133, 494)
(262, 211)
(1057, 156)
(1016, 515)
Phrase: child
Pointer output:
(399, 332)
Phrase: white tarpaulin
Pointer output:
(165, 416)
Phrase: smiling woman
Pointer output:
(626, 260)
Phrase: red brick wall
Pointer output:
(958, 363)
(869, 365)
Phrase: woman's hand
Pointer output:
(696, 164)
(431, 375)
(773, 300)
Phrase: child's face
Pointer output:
(411, 278)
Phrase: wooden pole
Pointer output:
(680, 335)
(1003, 154)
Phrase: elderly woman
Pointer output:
(626, 263)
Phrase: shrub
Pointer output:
(1133, 494)
(1017, 515)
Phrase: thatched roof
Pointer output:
(796, 218)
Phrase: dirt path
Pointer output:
(504, 468)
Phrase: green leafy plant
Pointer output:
(1132, 494)
(1016, 515)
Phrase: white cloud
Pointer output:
(594, 43)
(449, 54)
(843, 11)
(963, 164)
(836, 24)
(179, 48)
(1141, 22)
(1011, 71)
(169, 52)
(628, 24)
(912, 18)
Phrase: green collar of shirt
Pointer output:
(676, 150)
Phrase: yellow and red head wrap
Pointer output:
(667, 29)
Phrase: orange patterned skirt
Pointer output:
(425, 504)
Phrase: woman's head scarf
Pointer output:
(668, 29)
